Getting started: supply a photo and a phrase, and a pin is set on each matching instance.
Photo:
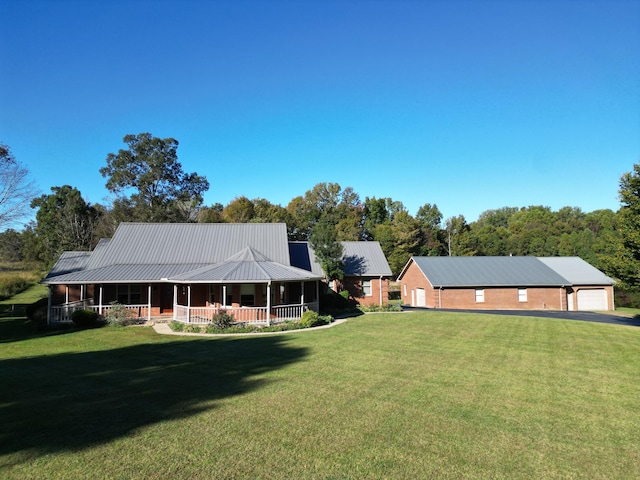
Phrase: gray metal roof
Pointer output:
(123, 274)
(69, 262)
(577, 271)
(487, 272)
(361, 258)
(190, 243)
(246, 265)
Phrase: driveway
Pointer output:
(560, 315)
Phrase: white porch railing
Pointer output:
(62, 313)
(251, 315)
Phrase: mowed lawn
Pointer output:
(404, 395)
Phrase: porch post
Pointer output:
(66, 294)
(82, 293)
(49, 305)
(301, 298)
(269, 303)
(100, 301)
(189, 303)
(224, 295)
(149, 303)
(175, 300)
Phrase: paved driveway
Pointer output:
(583, 316)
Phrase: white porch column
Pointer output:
(189, 303)
(149, 303)
(269, 303)
(100, 300)
(224, 296)
(66, 294)
(175, 300)
(82, 293)
(301, 297)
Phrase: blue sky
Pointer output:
(469, 105)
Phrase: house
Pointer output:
(190, 272)
(186, 272)
(367, 272)
(505, 283)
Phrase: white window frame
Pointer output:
(367, 290)
(522, 295)
(479, 295)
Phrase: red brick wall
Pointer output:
(354, 286)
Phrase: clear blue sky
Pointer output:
(471, 105)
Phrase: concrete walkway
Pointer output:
(164, 329)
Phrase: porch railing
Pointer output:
(251, 315)
(63, 313)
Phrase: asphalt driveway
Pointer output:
(560, 315)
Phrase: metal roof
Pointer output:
(123, 274)
(190, 243)
(69, 262)
(487, 272)
(360, 258)
(577, 271)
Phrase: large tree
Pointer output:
(16, 190)
(328, 250)
(627, 259)
(150, 183)
(64, 221)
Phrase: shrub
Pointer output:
(222, 320)
(177, 326)
(37, 313)
(193, 328)
(84, 318)
(312, 319)
(119, 315)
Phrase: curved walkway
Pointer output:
(164, 329)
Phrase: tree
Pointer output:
(16, 190)
(328, 250)
(64, 221)
(160, 191)
(627, 258)
(239, 210)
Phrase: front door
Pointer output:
(166, 299)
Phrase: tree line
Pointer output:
(150, 185)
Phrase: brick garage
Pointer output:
(505, 283)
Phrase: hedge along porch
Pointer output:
(188, 272)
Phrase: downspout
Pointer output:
(175, 301)
(380, 290)
(440, 297)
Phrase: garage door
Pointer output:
(420, 298)
(592, 299)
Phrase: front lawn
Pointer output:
(411, 395)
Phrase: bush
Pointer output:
(84, 318)
(119, 315)
(312, 319)
(222, 320)
(177, 326)
(37, 313)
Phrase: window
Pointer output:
(247, 295)
(128, 294)
(479, 295)
(366, 287)
(522, 294)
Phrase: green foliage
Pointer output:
(380, 308)
(36, 313)
(222, 320)
(84, 318)
(64, 221)
(163, 192)
(177, 326)
(119, 315)
(313, 319)
(328, 250)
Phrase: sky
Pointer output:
(469, 105)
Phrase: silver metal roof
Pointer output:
(487, 272)
(123, 274)
(190, 243)
(361, 258)
(69, 262)
(577, 271)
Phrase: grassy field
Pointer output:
(408, 395)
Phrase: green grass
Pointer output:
(412, 395)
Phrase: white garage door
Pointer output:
(592, 299)
(420, 298)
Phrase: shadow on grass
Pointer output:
(72, 401)
(16, 329)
